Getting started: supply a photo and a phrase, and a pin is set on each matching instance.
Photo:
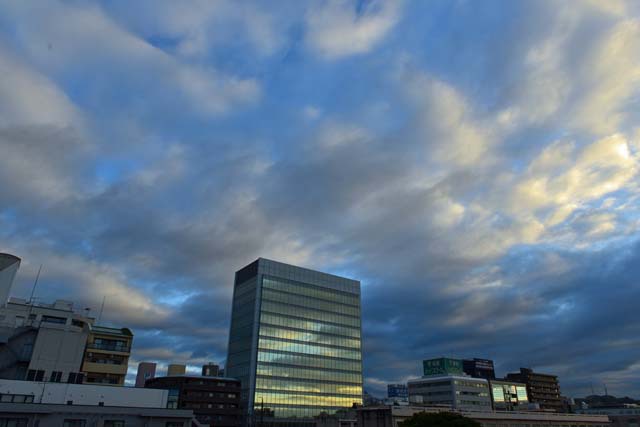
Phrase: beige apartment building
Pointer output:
(106, 357)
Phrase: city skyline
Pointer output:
(473, 164)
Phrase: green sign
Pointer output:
(442, 366)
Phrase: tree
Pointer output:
(439, 419)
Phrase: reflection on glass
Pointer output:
(309, 356)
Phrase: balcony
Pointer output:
(105, 368)
(109, 347)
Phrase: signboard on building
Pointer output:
(442, 366)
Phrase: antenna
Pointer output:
(101, 308)
(35, 283)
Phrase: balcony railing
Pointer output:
(110, 347)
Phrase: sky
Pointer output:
(475, 164)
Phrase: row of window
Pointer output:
(308, 313)
(202, 394)
(292, 399)
(16, 398)
(310, 387)
(306, 301)
(308, 374)
(308, 361)
(246, 287)
(312, 337)
(55, 377)
(279, 411)
(308, 325)
(199, 405)
(276, 344)
(311, 291)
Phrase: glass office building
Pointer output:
(294, 342)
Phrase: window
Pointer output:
(56, 377)
(13, 422)
(74, 423)
(113, 423)
(174, 424)
(35, 375)
(54, 319)
(75, 378)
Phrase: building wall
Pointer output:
(106, 358)
(58, 348)
(43, 415)
(214, 401)
(543, 389)
(392, 416)
(84, 394)
(175, 369)
(295, 341)
(458, 391)
(41, 337)
(146, 371)
(9, 265)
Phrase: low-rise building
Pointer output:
(106, 359)
(146, 371)
(214, 400)
(508, 395)
(542, 389)
(391, 416)
(623, 415)
(175, 369)
(456, 391)
(31, 403)
(43, 342)
(479, 368)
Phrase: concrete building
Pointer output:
(294, 342)
(508, 395)
(542, 389)
(106, 359)
(42, 341)
(391, 416)
(175, 369)
(479, 368)
(398, 391)
(214, 400)
(456, 391)
(624, 415)
(9, 265)
(43, 404)
(83, 394)
(146, 371)
(210, 370)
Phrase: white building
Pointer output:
(457, 391)
(81, 394)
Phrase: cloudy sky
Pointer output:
(474, 163)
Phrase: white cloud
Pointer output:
(64, 38)
(335, 29)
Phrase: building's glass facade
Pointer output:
(302, 357)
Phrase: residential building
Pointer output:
(542, 389)
(455, 391)
(399, 391)
(175, 369)
(106, 358)
(508, 395)
(214, 400)
(9, 265)
(392, 415)
(479, 368)
(146, 371)
(210, 370)
(29, 403)
(294, 342)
